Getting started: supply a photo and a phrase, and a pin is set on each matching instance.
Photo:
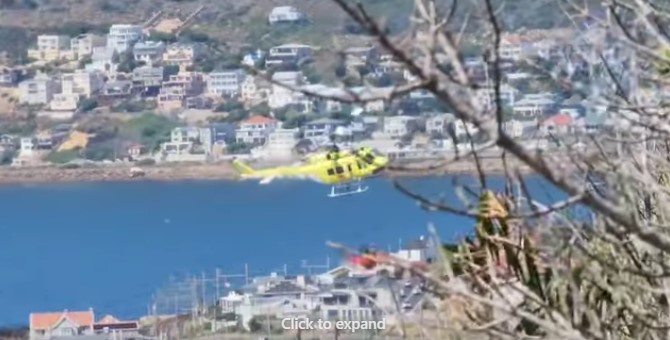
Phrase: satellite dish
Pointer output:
(357, 111)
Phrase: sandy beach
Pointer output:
(219, 171)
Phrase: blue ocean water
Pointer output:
(111, 245)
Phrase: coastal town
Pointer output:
(157, 98)
(230, 304)
(153, 94)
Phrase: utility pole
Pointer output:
(219, 275)
(309, 267)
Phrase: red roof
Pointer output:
(560, 119)
(258, 119)
(108, 319)
(51, 320)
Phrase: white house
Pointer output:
(319, 131)
(123, 37)
(103, 59)
(149, 52)
(82, 83)
(279, 144)
(44, 326)
(255, 89)
(225, 83)
(288, 54)
(511, 47)
(83, 44)
(486, 95)
(462, 129)
(513, 128)
(39, 90)
(283, 95)
(532, 105)
(255, 130)
(438, 124)
(64, 102)
(421, 250)
(51, 47)
(398, 126)
(285, 14)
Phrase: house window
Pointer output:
(339, 170)
(331, 172)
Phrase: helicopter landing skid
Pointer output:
(352, 188)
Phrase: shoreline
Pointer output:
(220, 171)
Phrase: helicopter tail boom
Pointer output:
(242, 168)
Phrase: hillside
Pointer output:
(236, 23)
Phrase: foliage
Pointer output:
(255, 325)
(16, 41)
(148, 129)
(168, 38)
(342, 115)
(87, 105)
(230, 106)
(99, 152)
(75, 28)
(62, 157)
(101, 127)
(312, 75)
(146, 162)
(194, 36)
(7, 156)
(20, 128)
(238, 148)
(133, 106)
(127, 62)
(260, 109)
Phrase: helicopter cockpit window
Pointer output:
(339, 170)
(331, 172)
(369, 158)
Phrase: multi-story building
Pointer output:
(182, 55)
(319, 131)
(50, 47)
(82, 83)
(64, 102)
(285, 14)
(360, 56)
(283, 95)
(255, 130)
(39, 90)
(511, 47)
(83, 44)
(464, 129)
(225, 83)
(8, 76)
(279, 144)
(123, 37)
(255, 90)
(148, 76)
(398, 126)
(103, 59)
(149, 52)
(288, 54)
(178, 88)
(438, 124)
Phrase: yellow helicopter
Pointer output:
(344, 170)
